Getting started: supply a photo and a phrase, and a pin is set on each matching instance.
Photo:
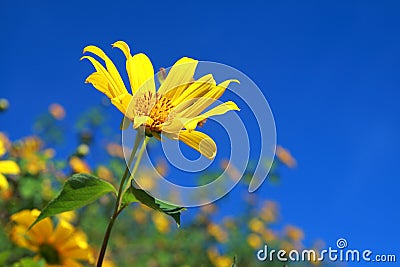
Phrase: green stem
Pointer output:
(118, 208)
(137, 163)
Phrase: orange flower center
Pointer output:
(155, 106)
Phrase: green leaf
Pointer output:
(4, 255)
(139, 195)
(78, 191)
(29, 262)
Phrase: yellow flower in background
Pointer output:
(29, 150)
(161, 222)
(140, 215)
(57, 111)
(217, 232)
(268, 235)
(269, 211)
(217, 259)
(254, 241)
(285, 157)
(62, 246)
(6, 167)
(294, 233)
(78, 165)
(105, 173)
(256, 225)
(115, 150)
(68, 216)
(174, 110)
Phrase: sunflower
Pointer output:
(6, 166)
(174, 110)
(60, 246)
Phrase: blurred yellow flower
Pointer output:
(145, 181)
(108, 263)
(285, 157)
(217, 232)
(254, 241)
(268, 235)
(115, 150)
(139, 215)
(161, 222)
(68, 216)
(6, 167)
(29, 150)
(269, 211)
(209, 208)
(174, 110)
(78, 165)
(256, 225)
(294, 233)
(62, 246)
(104, 173)
(218, 260)
(57, 111)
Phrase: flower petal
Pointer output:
(41, 231)
(218, 110)
(113, 88)
(206, 100)
(112, 70)
(141, 73)
(197, 89)
(124, 47)
(9, 167)
(200, 142)
(139, 68)
(63, 232)
(3, 182)
(122, 102)
(99, 82)
(139, 120)
(179, 77)
(71, 263)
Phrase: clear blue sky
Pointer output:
(330, 70)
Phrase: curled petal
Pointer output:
(218, 110)
(200, 142)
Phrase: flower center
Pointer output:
(50, 254)
(155, 106)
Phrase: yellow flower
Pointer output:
(60, 246)
(285, 157)
(174, 110)
(254, 240)
(68, 216)
(217, 259)
(256, 225)
(139, 215)
(294, 233)
(29, 150)
(105, 173)
(6, 167)
(269, 211)
(115, 150)
(79, 165)
(57, 111)
(217, 232)
(161, 222)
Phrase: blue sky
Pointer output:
(329, 70)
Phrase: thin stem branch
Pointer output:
(118, 208)
(137, 163)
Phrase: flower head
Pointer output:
(6, 166)
(174, 110)
(60, 246)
